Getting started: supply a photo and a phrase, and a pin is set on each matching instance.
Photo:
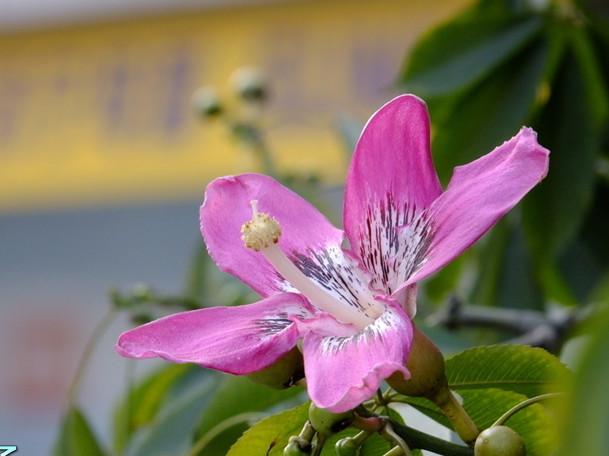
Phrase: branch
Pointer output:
(538, 329)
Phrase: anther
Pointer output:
(261, 231)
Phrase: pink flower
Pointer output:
(351, 307)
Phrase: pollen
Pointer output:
(261, 231)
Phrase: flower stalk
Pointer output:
(463, 425)
(533, 400)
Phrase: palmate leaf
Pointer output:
(493, 379)
(525, 370)
(534, 424)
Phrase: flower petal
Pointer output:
(391, 180)
(238, 340)
(227, 207)
(344, 371)
(478, 195)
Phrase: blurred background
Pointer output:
(104, 160)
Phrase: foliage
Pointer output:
(504, 64)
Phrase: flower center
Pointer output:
(262, 234)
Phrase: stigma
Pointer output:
(262, 234)
(261, 231)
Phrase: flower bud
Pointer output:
(347, 446)
(327, 423)
(499, 441)
(428, 379)
(283, 373)
(293, 448)
(249, 84)
(206, 102)
(426, 366)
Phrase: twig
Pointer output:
(547, 330)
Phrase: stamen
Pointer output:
(262, 234)
(261, 231)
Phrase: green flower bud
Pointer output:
(426, 366)
(327, 423)
(249, 84)
(294, 448)
(499, 441)
(428, 379)
(283, 373)
(347, 447)
(207, 102)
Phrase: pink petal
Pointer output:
(344, 371)
(238, 340)
(478, 195)
(227, 207)
(391, 180)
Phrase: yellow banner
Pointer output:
(102, 113)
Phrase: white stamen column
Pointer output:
(261, 234)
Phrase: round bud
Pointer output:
(207, 102)
(249, 84)
(327, 423)
(499, 441)
(426, 366)
(283, 373)
(294, 448)
(346, 447)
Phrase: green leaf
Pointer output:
(463, 51)
(569, 127)
(270, 436)
(172, 430)
(76, 437)
(584, 430)
(491, 112)
(443, 284)
(144, 401)
(237, 396)
(485, 406)
(507, 273)
(519, 368)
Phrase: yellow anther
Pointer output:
(261, 231)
